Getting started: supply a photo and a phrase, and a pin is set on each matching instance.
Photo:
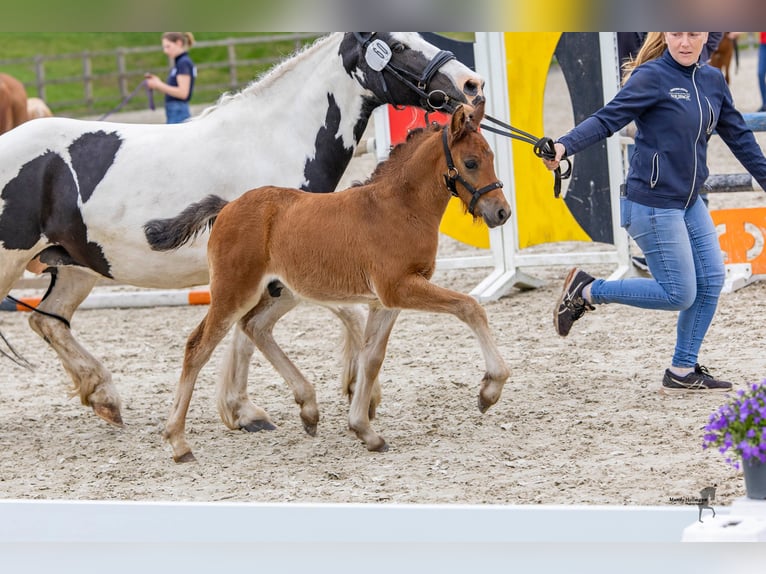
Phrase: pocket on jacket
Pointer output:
(654, 178)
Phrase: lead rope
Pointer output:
(149, 96)
(542, 148)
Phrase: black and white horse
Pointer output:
(77, 194)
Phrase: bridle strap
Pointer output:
(435, 100)
(453, 175)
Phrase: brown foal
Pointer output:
(375, 243)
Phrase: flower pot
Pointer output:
(755, 478)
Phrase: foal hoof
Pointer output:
(382, 446)
(187, 457)
(484, 405)
(109, 413)
(310, 428)
(259, 425)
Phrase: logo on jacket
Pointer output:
(680, 94)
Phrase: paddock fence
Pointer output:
(93, 82)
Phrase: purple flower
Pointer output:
(738, 428)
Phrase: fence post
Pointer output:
(87, 71)
(232, 52)
(122, 79)
(40, 76)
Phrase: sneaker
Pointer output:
(699, 380)
(571, 304)
(640, 263)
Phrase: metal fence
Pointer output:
(106, 78)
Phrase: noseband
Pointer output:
(453, 175)
(380, 53)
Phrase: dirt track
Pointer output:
(580, 421)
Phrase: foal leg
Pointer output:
(380, 322)
(353, 319)
(92, 381)
(199, 347)
(236, 410)
(416, 292)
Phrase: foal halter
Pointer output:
(453, 175)
(433, 100)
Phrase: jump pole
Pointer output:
(125, 299)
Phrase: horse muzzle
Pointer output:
(494, 212)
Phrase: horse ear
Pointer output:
(458, 123)
(477, 115)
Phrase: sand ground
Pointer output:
(580, 420)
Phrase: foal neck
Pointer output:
(414, 174)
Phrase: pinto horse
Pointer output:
(13, 104)
(78, 193)
(375, 243)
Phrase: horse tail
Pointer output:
(172, 233)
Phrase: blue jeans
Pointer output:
(683, 254)
(762, 72)
(177, 112)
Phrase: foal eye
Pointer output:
(398, 48)
(471, 164)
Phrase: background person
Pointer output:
(676, 103)
(179, 86)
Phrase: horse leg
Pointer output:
(199, 347)
(380, 322)
(236, 410)
(92, 381)
(416, 292)
(353, 319)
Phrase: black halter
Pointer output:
(453, 175)
(433, 100)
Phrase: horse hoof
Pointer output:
(311, 429)
(484, 405)
(187, 457)
(109, 413)
(259, 425)
(382, 447)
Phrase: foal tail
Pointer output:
(172, 233)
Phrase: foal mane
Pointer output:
(413, 139)
(267, 78)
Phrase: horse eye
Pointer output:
(398, 48)
(471, 164)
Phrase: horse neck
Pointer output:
(313, 97)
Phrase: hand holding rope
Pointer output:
(542, 148)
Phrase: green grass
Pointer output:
(65, 91)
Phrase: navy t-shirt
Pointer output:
(183, 66)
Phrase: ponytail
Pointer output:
(652, 48)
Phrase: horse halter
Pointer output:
(380, 53)
(453, 175)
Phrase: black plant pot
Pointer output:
(755, 478)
